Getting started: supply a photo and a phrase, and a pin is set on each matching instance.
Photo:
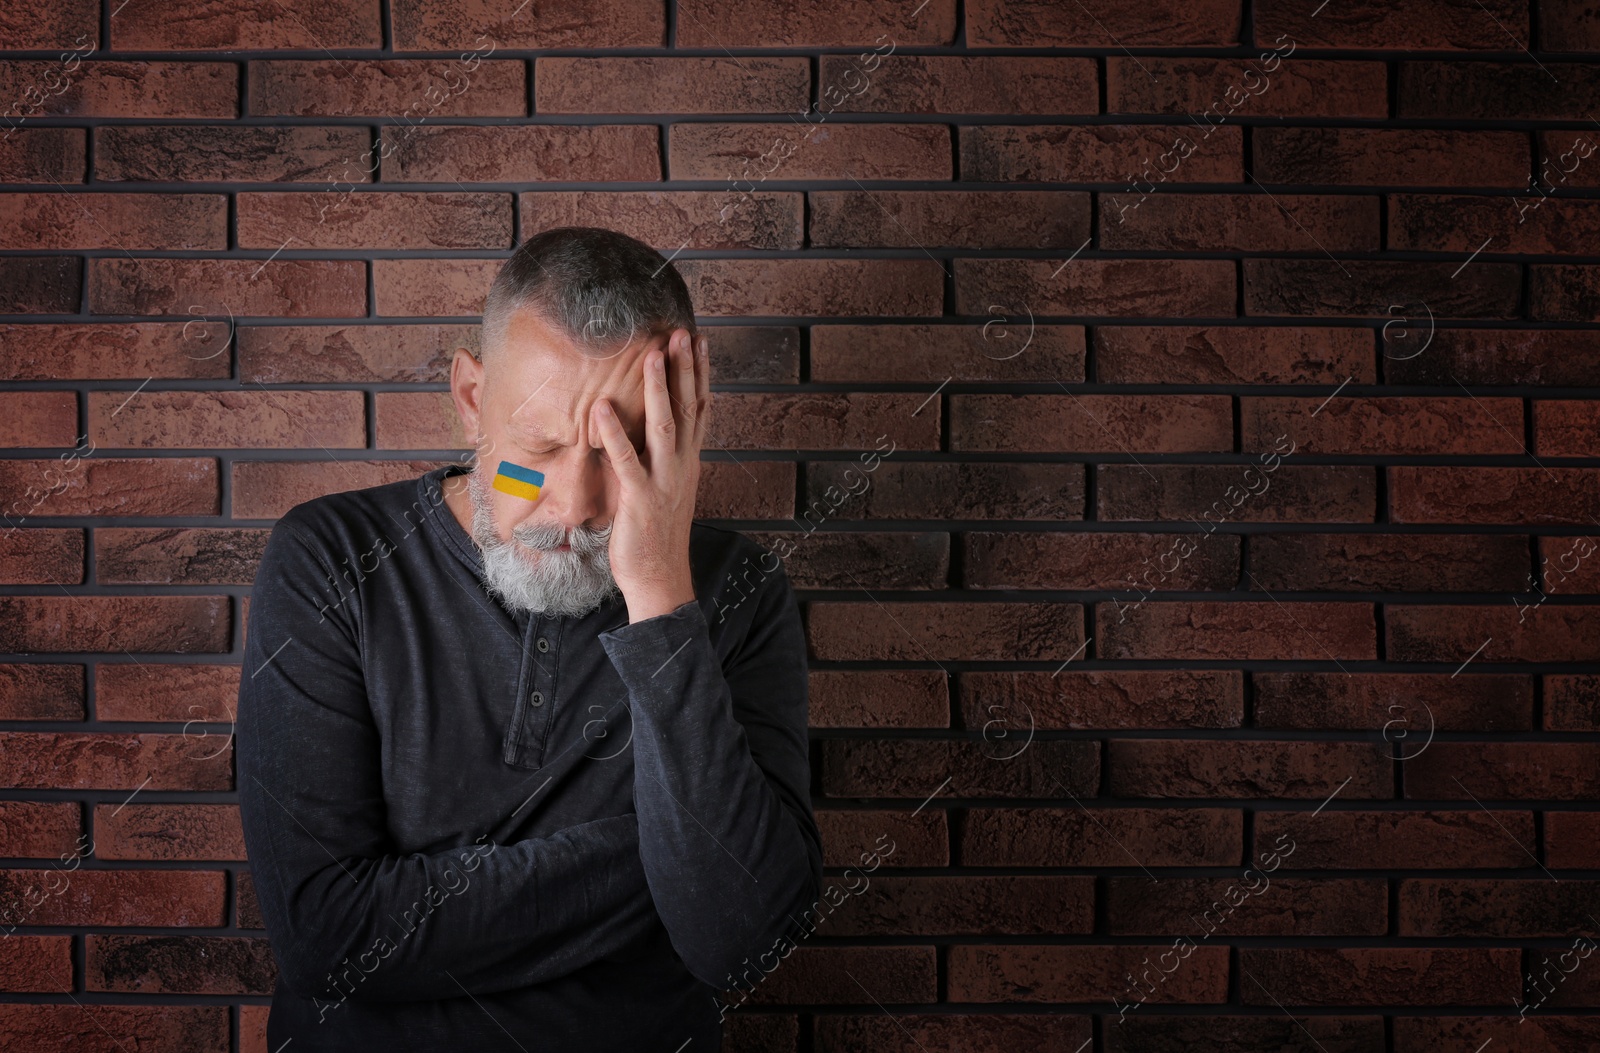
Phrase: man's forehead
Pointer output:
(546, 383)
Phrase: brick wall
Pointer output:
(1214, 636)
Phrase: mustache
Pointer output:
(583, 540)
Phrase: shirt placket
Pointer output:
(536, 693)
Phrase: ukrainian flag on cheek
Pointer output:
(518, 481)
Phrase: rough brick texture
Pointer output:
(1222, 631)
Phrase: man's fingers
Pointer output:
(702, 389)
(683, 376)
(624, 458)
(660, 429)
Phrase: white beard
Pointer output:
(526, 573)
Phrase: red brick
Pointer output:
(1364, 425)
(1566, 428)
(928, 490)
(922, 632)
(754, 354)
(374, 220)
(1000, 349)
(1461, 494)
(72, 23)
(248, 907)
(1102, 153)
(1092, 423)
(89, 1028)
(127, 222)
(228, 419)
(1393, 156)
(44, 155)
(414, 90)
(1102, 837)
(268, 489)
(209, 965)
(525, 153)
(860, 559)
(421, 26)
(1170, 1033)
(650, 84)
(431, 287)
(814, 287)
(200, 153)
(293, 288)
(43, 760)
(1103, 698)
(1029, 24)
(850, 838)
(1132, 354)
(1439, 840)
(837, 151)
(1572, 703)
(1294, 494)
(1568, 25)
(1389, 562)
(35, 963)
(1495, 907)
(825, 975)
(114, 623)
(167, 898)
(169, 832)
(1036, 1032)
(40, 285)
(1506, 633)
(296, 354)
(1196, 288)
(175, 486)
(1053, 973)
(1480, 771)
(981, 905)
(41, 557)
(1252, 631)
(115, 351)
(1380, 975)
(1220, 89)
(773, 23)
(1136, 219)
(147, 90)
(1557, 357)
(38, 419)
(1525, 222)
(417, 420)
(674, 219)
(1496, 91)
(1572, 839)
(169, 692)
(1272, 906)
(1433, 25)
(1121, 560)
(40, 691)
(1564, 293)
(1411, 702)
(39, 830)
(899, 698)
(822, 421)
(1540, 1032)
(1561, 161)
(745, 489)
(170, 25)
(977, 219)
(957, 84)
(915, 768)
(177, 555)
(778, 1032)
(1257, 768)
(1366, 288)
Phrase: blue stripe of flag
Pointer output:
(516, 471)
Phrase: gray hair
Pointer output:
(599, 288)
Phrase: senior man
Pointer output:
(505, 782)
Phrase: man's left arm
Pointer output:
(722, 778)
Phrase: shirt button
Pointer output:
(542, 645)
(537, 698)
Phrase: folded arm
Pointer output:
(337, 898)
(722, 778)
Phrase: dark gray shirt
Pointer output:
(466, 824)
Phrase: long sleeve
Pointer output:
(721, 778)
(335, 894)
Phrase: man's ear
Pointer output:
(466, 390)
